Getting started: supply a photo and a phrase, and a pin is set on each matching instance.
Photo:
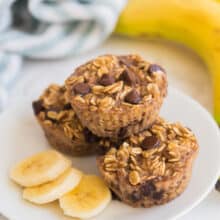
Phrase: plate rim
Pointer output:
(213, 122)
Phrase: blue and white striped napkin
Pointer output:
(46, 29)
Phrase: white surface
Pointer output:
(21, 137)
(185, 71)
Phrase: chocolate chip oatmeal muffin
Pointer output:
(61, 125)
(153, 167)
(116, 96)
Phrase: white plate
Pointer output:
(21, 136)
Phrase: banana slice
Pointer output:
(51, 191)
(88, 199)
(40, 168)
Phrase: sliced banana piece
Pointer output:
(40, 168)
(51, 191)
(88, 199)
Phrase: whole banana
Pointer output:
(194, 23)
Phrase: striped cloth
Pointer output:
(47, 29)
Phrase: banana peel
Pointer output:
(193, 23)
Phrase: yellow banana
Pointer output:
(53, 190)
(194, 23)
(40, 168)
(87, 200)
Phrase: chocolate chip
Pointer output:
(122, 132)
(37, 106)
(154, 68)
(135, 196)
(89, 136)
(150, 142)
(67, 106)
(114, 196)
(128, 77)
(217, 185)
(157, 195)
(123, 60)
(106, 80)
(133, 97)
(81, 88)
(127, 61)
(148, 188)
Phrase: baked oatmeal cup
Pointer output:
(61, 126)
(150, 168)
(116, 96)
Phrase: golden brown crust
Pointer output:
(152, 167)
(116, 96)
(61, 125)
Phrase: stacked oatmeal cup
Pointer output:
(110, 107)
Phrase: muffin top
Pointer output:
(112, 81)
(53, 97)
(159, 153)
(53, 109)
